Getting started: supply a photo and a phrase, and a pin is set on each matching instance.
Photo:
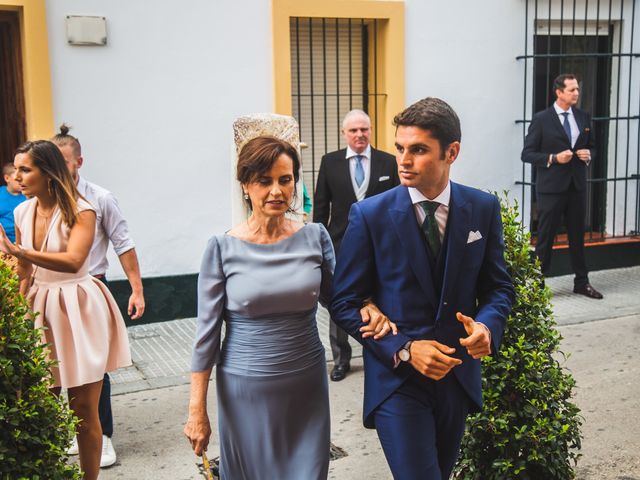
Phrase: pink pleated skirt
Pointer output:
(83, 327)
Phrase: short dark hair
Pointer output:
(8, 168)
(63, 137)
(258, 155)
(558, 83)
(434, 115)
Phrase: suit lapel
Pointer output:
(458, 223)
(374, 173)
(580, 121)
(555, 121)
(404, 221)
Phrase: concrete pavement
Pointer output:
(150, 398)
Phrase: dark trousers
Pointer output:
(338, 338)
(104, 407)
(420, 427)
(340, 348)
(104, 404)
(551, 208)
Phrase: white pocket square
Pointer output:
(382, 179)
(474, 236)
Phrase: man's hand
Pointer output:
(584, 154)
(432, 359)
(564, 157)
(478, 343)
(136, 305)
(377, 323)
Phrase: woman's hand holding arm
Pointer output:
(377, 323)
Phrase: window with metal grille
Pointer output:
(333, 71)
(594, 40)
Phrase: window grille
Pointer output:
(594, 39)
(333, 71)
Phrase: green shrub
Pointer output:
(529, 428)
(36, 427)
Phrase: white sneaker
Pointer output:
(73, 449)
(108, 457)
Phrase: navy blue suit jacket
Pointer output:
(384, 257)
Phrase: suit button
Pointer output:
(445, 303)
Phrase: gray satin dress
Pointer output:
(271, 378)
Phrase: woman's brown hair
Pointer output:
(48, 158)
(258, 156)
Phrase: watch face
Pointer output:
(404, 355)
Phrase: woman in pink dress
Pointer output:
(84, 328)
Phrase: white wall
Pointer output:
(465, 53)
(154, 108)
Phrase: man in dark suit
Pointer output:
(347, 176)
(560, 145)
(430, 254)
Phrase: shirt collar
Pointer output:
(443, 198)
(560, 111)
(366, 153)
(81, 185)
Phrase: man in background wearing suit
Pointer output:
(430, 254)
(347, 176)
(560, 145)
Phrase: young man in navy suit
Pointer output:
(560, 145)
(430, 254)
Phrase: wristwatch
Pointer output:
(405, 352)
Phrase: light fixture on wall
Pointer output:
(85, 30)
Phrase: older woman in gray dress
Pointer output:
(263, 279)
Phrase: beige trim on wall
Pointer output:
(35, 63)
(390, 52)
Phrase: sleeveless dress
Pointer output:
(84, 328)
(271, 375)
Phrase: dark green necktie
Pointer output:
(430, 226)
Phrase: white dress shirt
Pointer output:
(575, 131)
(361, 190)
(110, 226)
(441, 213)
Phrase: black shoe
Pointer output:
(588, 291)
(339, 372)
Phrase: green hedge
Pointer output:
(36, 427)
(529, 427)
